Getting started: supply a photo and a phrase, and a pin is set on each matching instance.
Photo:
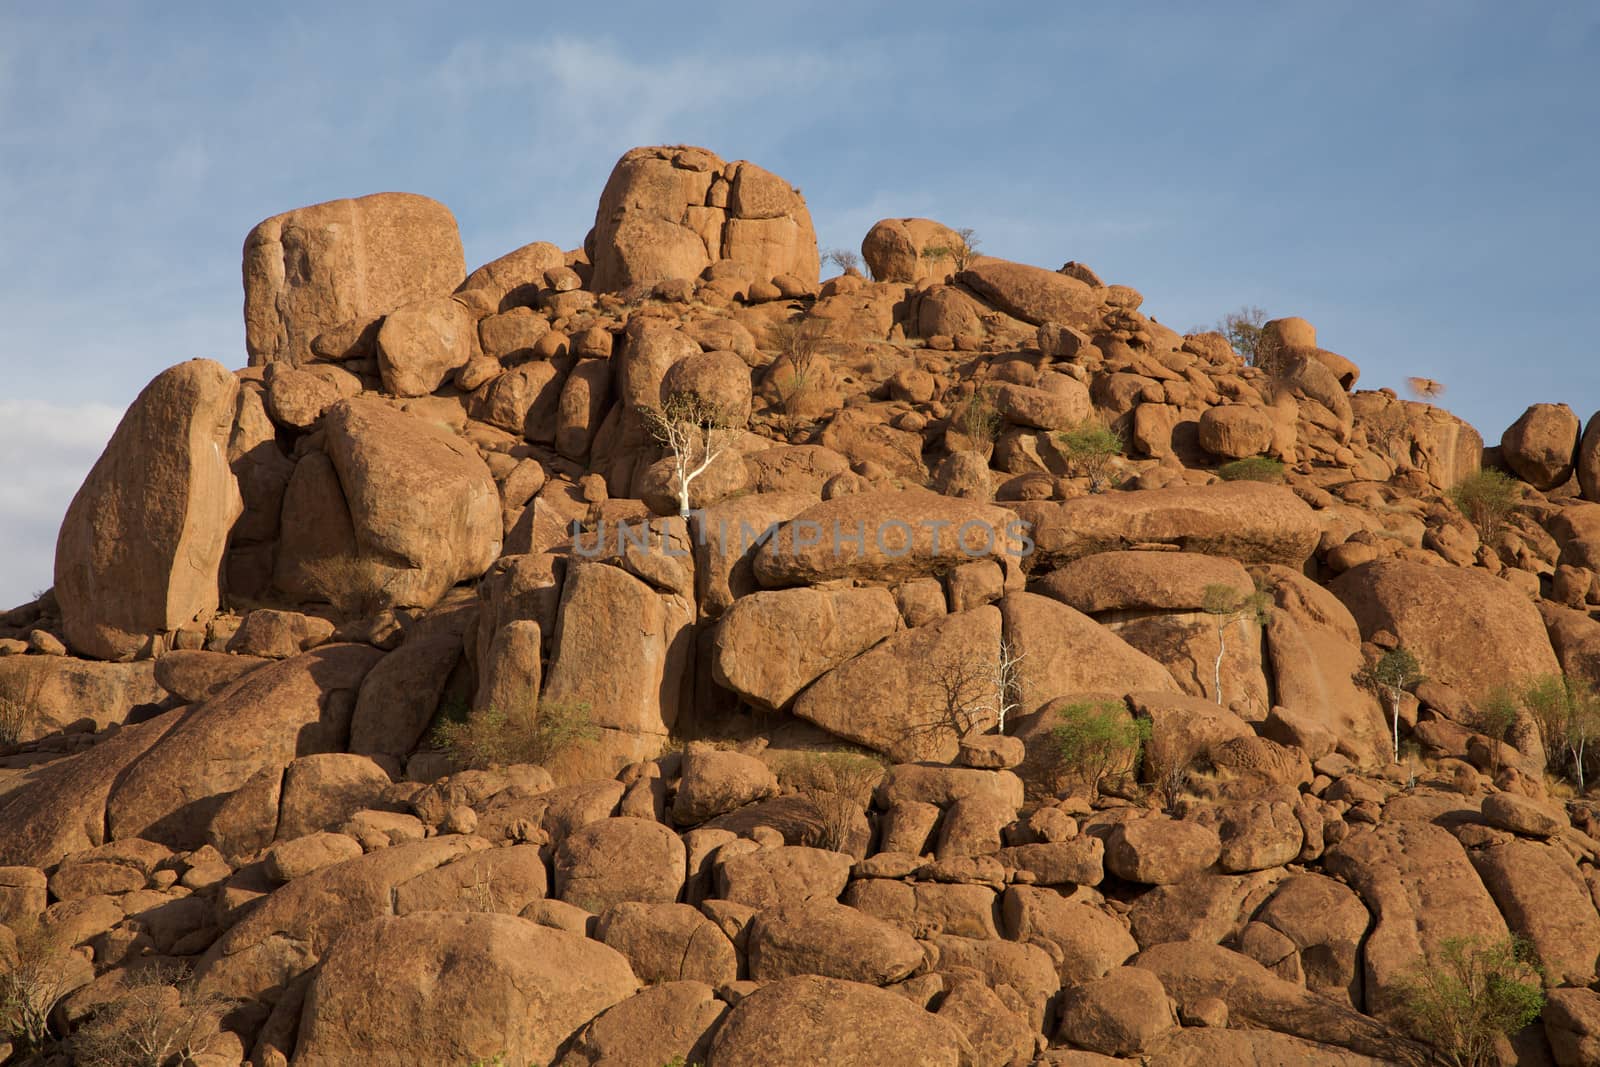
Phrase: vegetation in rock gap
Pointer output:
(1252, 469)
(36, 972)
(1094, 742)
(960, 252)
(1091, 448)
(839, 786)
(1486, 498)
(1567, 712)
(1394, 674)
(156, 1020)
(696, 432)
(1226, 606)
(532, 733)
(1474, 993)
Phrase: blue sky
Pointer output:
(1418, 178)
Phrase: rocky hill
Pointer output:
(653, 653)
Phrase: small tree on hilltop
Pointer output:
(847, 261)
(1394, 674)
(696, 431)
(961, 251)
(1095, 741)
(1227, 605)
(1473, 994)
(1246, 333)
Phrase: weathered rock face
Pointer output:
(60, 691)
(314, 268)
(1142, 581)
(1063, 652)
(891, 698)
(1468, 629)
(141, 546)
(1542, 445)
(423, 510)
(1247, 521)
(670, 212)
(773, 644)
(621, 648)
(458, 988)
(807, 1019)
(1421, 889)
(885, 535)
(284, 710)
(1314, 647)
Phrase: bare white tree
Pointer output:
(696, 432)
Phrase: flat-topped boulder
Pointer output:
(1247, 521)
(314, 268)
(883, 535)
(1142, 581)
(670, 211)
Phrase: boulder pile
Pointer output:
(653, 652)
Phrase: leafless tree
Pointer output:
(968, 693)
(961, 251)
(696, 432)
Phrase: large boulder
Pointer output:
(141, 546)
(1421, 888)
(621, 648)
(1142, 581)
(831, 939)
(667, 1023)
(422, 342)
(1314, 648)
(1033, 294)
(1544, 897)
(294, 708)
(457, 988)
(808, 1019)
(772, 644)
(1468, 629)
(61, 808)
(883, 535)
(1542, 445)
(423, 510)
(895, 697)
(610, 861)
(317, 267)
(671, 211)
(288, 931)
(1248, 521)
(1060, 651)
(894, 250)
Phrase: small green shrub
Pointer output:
(1253, 469)
(530, 734)
(1096, 741)
(1091, 447)
(1472, 994)
(1493, 716)
(977, 418)
(1486, 498)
